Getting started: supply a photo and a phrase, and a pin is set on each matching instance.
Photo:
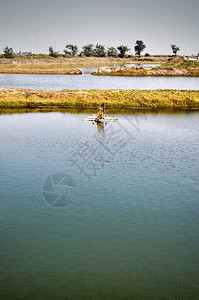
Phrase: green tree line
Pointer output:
(89, 50)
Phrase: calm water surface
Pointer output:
(88, 81)
(99, 213)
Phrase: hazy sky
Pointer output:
(159, 23)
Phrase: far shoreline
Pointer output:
(175, 66)
(66, 65)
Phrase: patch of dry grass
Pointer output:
(65, 63)
(154, 99)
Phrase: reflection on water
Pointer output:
(100, 126)
(86, 111)
(127, 227)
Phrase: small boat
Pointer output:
(100, 117)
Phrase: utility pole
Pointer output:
(32, 44)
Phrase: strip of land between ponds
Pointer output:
(114, 99)
(42, 71)
(174, 67)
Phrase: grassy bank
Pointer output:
(155, 99)
(173, 67)
(38, 66)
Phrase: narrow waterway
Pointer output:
(88, 81)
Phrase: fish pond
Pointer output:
(99, 212)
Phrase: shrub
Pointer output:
(52, 52)
(122, 49)
(88, 50)
(99, 51)
(112, 52)
(8, 52)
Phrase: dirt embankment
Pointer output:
(79, 60)
(42, 71)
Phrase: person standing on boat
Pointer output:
(100, 114)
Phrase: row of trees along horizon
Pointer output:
(89, 50)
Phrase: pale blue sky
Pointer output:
(112, 23)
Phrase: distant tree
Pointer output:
(112, 52)
(88, 50)
(99, 50)
(122, 49)
(71, 50)
(23, 53)
(52, 52)
(8, 52)
(139, 47)
(147, 54)
(175, 49)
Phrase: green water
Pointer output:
(99, 213)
